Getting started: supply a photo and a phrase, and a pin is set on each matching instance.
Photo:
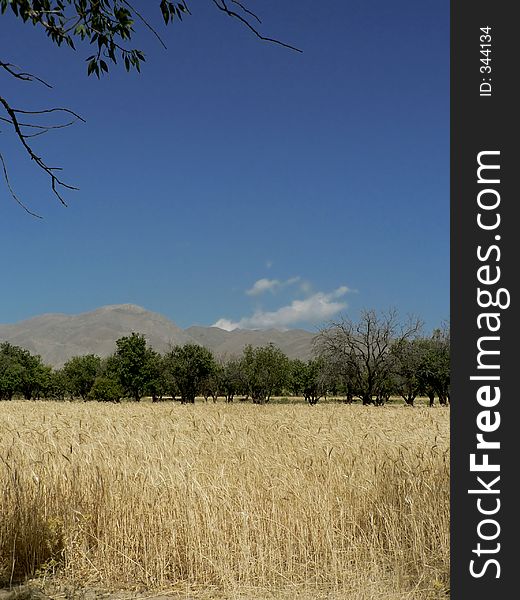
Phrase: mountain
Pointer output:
(296, 343)
(58, 337)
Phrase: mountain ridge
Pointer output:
(57, 337)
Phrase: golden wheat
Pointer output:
(350, 499)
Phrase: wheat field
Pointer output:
(227, 501)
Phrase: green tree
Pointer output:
(408, 357)
(11, 370)
(22, 373)
(169, 382)
(107, 28)
(434, 370)
(156, 385)
(314, 380)
(34, 377)
(232, 378)
(386, 387)
(106, 389)
(189, 366)
(266, 370)
(308, 379)
(296, 377)
(212, 384)
(134, 363)
(80, 373)
(57, 388)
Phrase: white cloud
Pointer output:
(293, 280)
(263, 285)
(225, 324)
(269, 285)
(305, 287)
(318, 307)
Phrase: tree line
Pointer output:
(369, 360)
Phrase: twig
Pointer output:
(223, 7)
(22, 75)
(6, 177)
(146, 23)
(246, 10)
(46, 127)
(39, 161)
(49, 110)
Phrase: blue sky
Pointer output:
(237, 182)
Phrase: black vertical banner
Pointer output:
(485, 268)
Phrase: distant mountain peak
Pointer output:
(122, 307)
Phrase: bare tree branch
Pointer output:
(363, 350)
(15, 197)
(109, 26)
(49, 110)
(246, 10)
(44, 127)
(222, 6)
(21, 75)
(13, 118)
(146, 23)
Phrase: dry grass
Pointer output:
(236, 501)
